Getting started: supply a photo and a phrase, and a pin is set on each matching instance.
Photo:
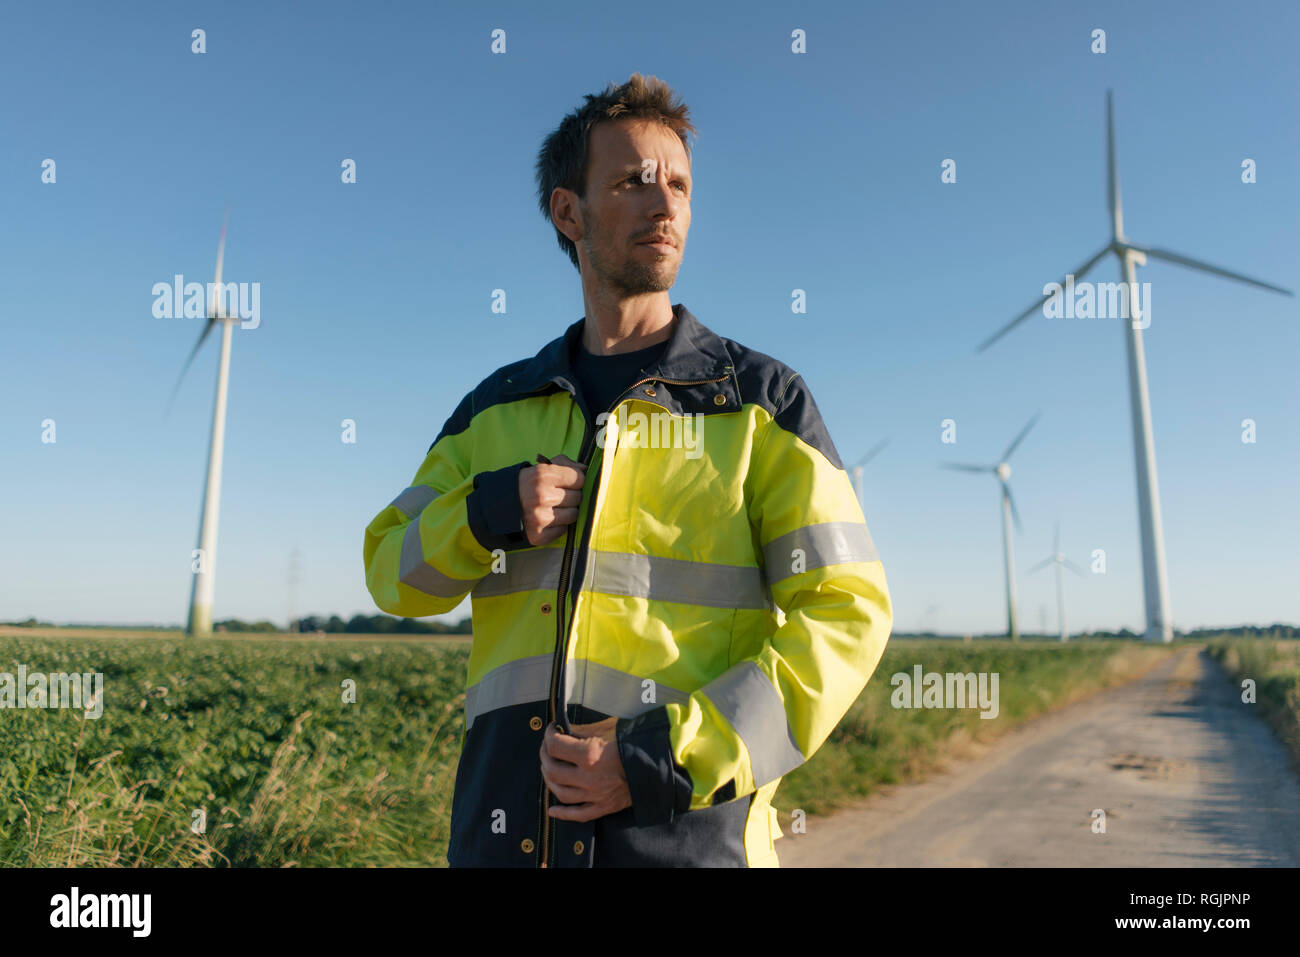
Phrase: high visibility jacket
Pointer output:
(732, 610)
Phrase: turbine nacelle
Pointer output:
(1124, 248)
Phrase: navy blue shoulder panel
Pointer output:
(780, 390)
(483, 396)
(761, 379)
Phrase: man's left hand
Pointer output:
(584, 771)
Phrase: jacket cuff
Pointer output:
(659, 786)
(496, 515)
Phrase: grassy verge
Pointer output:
(1274, 666)
(250, 737)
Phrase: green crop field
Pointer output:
(253, 732)
(252, 738)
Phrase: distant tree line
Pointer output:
(388, 625)
(1247, 631)
(1275, 632)
(357, 625)
(384, 625)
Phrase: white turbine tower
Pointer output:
(1131, 255)
(200, 617)
(856, 470)
(1003, 472)
(1058, 558)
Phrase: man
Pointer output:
(675, 595)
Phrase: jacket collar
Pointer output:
(694, 352)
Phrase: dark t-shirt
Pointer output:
(601, 379)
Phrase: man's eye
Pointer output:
(636, 178)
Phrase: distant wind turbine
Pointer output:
(856, 470)
(200, 617)
(1058, 558)
(1131, 255)
(1003, 472)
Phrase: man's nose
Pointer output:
(665, 201)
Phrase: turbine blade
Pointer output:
(1188, 261)
(1056, 540)
(1023, 432)
(1077, 274)
(1112, 173)
(1043, 564)
(965, 468)
(207, 328)
(1015, 513)
(221, 257)
(872, 454)
(1075, 568)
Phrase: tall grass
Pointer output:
(1275, 668)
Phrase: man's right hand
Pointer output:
(550, 494)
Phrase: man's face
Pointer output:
(638, 188)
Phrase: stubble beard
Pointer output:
(627, 275)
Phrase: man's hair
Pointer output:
(563, 159)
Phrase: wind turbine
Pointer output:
(1131, 255)
(200, 618)
(1003, 472)
(856, 470)
(1058, 558)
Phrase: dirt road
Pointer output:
(1187, 776)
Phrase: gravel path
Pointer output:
(1186, 773)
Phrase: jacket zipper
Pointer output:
(561, 625)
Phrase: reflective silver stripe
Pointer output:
(831, 543)
(588, 683)
(676, 580)
(752, 704)
(516, 682)
(413, 501)
(420, 575)
(525, 570)
(615, 692)
(639, 576)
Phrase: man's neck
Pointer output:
(627, 325)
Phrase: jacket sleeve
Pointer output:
(434, 541)
(768, 713)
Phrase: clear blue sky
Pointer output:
(818, 171)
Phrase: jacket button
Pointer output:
(526, 845)
(577, 847)
(649, 390)
(719, 399)
(535, 723)
(546, 608)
